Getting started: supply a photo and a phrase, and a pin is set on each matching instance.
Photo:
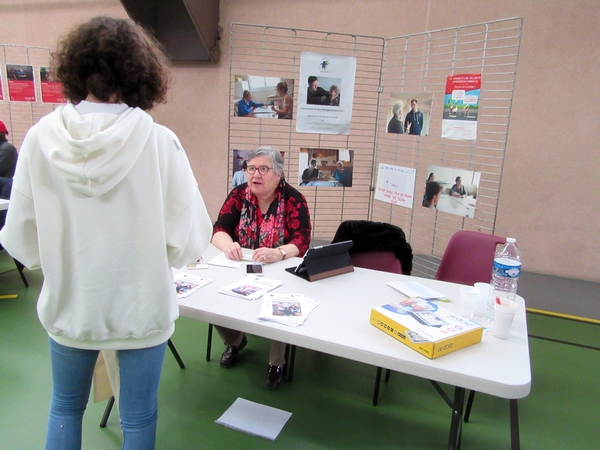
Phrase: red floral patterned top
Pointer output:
(241, 219)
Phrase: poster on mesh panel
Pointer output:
(461, 107)
(395, 185)
(451, 190)
(20, 83)
(326, 93)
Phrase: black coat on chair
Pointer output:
(371, 236)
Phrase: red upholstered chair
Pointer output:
(376, 237)
(384, 261)
(377, 246)
(468, 259)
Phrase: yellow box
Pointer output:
(426, 327)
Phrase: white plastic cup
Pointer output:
(503, 318)
(484, 293)
(468, 300)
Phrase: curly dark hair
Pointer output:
(112, 59)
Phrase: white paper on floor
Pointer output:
(254, 418)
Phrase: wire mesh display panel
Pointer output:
(260, 51)
(19, 116)
(421, 63)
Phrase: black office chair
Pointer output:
(377, 246)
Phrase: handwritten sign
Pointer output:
(395, 185)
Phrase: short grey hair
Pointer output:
(396, 109)
(273, 154)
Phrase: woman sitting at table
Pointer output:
(287, 107)
(270, 216)
(458, 190)
(341, 174)
(246, 106)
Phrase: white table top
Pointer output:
(340, 326)
(3, 204)
(455, 205)
(265, 112)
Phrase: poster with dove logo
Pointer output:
(326, 93)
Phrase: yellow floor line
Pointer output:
(4, 297)
(563, 316)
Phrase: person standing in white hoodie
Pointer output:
(105, 203)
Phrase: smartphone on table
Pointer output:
(254, 268)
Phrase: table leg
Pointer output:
(457, 418)
(515, 443)
(209, 341)
(377, 384)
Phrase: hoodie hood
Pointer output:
(94, 151)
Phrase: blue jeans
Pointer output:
(72, 371)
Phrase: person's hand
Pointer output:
(267, 255)
(233, 251)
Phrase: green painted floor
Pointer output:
(330, 398)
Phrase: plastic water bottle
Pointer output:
(505, 276)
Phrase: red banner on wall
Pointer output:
(51, 90)
(20, 83)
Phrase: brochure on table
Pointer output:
(186, 284)
(250, 287)
(287, 309)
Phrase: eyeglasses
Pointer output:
(263, 170)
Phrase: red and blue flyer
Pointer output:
(461, 106)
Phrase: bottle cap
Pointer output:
(511, 240)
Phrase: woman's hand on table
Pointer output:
(267, 255)
(233, 251)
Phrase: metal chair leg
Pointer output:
(107, 410)
(20, 268)
(175, 354)
(111, 401)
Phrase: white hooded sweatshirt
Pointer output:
(105, 202)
